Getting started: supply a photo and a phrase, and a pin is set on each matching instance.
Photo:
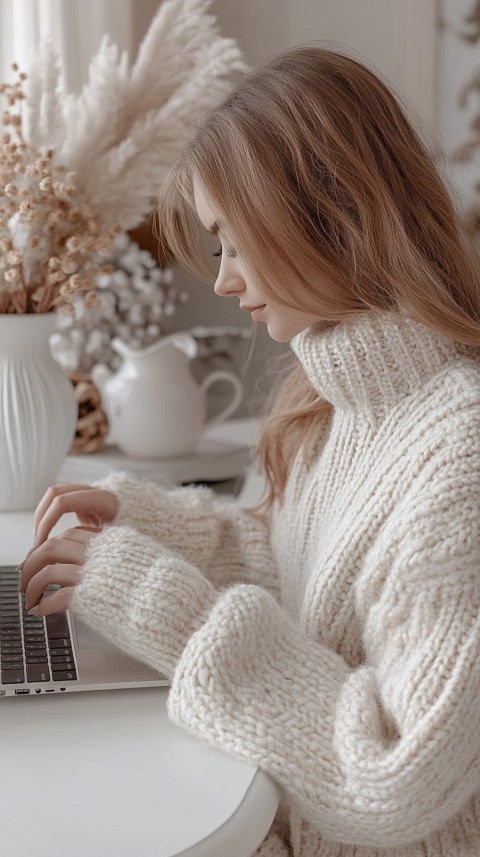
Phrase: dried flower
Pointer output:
(128, 299)
(13, 258)
(46, 184)
(76, 170)
(69, 265)
(75, 282)
(42, 268)
(73, 244)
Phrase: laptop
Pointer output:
(58, 653)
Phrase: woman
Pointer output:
(331, 636)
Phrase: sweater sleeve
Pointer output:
(227, 543)
(381, 755)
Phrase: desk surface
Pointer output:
(106, 773)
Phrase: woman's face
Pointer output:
(232, 281)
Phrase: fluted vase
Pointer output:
(38, 410)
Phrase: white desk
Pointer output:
(106, 774)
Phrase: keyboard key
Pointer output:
(13, 676)
(33, 639)
(36, 659)
(57, 626)
(10, 648)
(11, 659)
(60, 653)
(71, 675)
(62, 644)
(59, 664)
(38, 672)
(34, 648)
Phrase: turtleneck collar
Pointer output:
(368, 364)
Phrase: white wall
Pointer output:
(395, 37)
(457, 61)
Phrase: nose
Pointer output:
(228, 283)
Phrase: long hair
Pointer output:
(334, 206)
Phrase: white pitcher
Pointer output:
(155, 407)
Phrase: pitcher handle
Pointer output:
(222, 375)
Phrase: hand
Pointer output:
(59, 561)
(93, 507)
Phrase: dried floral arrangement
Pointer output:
(131, 300)
(76, 170)
(466, 152)
(50, 240)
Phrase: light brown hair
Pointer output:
(335, 207)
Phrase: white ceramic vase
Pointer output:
(38, 410)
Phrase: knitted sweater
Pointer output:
(336, 645)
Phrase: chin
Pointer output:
(284, 332)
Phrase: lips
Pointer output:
(255, 311)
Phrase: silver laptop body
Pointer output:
(58, 653)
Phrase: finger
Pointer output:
(61, 574)
(77, 501)
(72, 534)
(52, 552)
(87, 528)
(55, 603)
(81, 533)
(50, 494)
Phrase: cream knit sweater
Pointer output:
(337, 646)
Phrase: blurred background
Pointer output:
(427, 50)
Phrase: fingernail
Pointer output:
(34, 611)
(20, 567)
(34, 535)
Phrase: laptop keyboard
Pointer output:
(32, 648)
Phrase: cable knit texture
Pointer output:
(336, 645)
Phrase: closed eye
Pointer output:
(219, 252)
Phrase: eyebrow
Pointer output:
(214, 228)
